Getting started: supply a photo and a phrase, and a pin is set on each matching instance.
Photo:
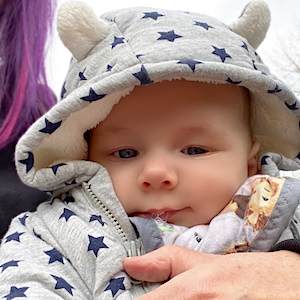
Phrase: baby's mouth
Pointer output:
(164, 215)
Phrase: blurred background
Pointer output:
(280, 50)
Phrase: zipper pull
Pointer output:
(134, 248)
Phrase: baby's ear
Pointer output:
(79, 28)
(253, 159)
(254, 23)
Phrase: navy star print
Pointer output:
(115, 285)
(143, 76)
(109, 68)
(245, 46)
(92, 96)
(50, 127)
(254, 65)
(63, 91)
(14, 237)
(16, 293)
(55, 168)
(37, 235)
(81, 75)
(153, 15)
(23, 219)
(12, 263)
(276, 90)
(62, 284)
(191, 63)
(69, 199)
(264, 160)
(28, 162)
(221, 52)
(54, 256)
(96, 244)
(204, 25)
(170, 36)
(291, 107)
(233, 82)
(97, 218)
(67, 214)
(117, 41)
(71, 183)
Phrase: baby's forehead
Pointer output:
(180, 101)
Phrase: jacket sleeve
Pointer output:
(32, 268)
(42, 268)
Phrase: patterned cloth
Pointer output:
(241, 224)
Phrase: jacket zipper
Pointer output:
(133, 247)
(106, 211)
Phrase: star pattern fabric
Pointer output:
(221, 52)
(28, 162)
(63, 91)
(23, 219)
(153, 15)
(202, 24)
(55, 167)
(275, 90)
(97, 218)
(96, 244)
(54, 256)
(191, 63)
(109, 68)
(115, 285)
(67, 214)
(143, 76)
(81, 75)
(117, 41)
(170, 36)
(92, 96)
(292, 107)
(264, 160)
(62, 284)
(16, 293)
(229, 80)
(245, 46)
(50, 127)
(14, 237)
(12, 263)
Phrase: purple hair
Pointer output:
(24, 93)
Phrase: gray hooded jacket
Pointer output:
(74, 246)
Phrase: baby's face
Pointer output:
(176, 149)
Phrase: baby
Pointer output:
(157, 138)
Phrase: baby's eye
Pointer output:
(193, 150)
(126, 153)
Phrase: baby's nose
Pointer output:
(158, 175)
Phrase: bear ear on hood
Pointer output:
(253, 23)
(79, 28)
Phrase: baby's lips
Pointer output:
(161, 214)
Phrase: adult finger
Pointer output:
(164, 263)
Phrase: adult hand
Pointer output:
(272, 275)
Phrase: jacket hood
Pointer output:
(136, 46)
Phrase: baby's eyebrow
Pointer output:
(112, 129)
(202, 130)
